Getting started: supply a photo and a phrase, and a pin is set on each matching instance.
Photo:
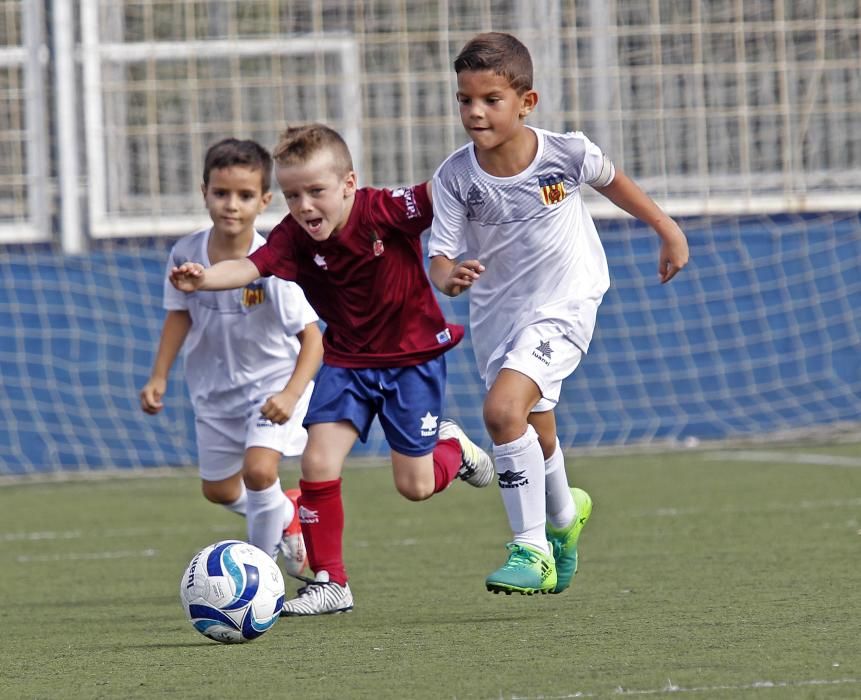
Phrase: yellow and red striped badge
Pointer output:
(253, 294)
(552, 189)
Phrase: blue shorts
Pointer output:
(408, 401)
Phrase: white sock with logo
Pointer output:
(238, 506)
(520, 467)
(266, 514)
(561, 508)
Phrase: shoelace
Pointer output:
(520, 556)
(313, 587)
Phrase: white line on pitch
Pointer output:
(110, 532)
(672, 688)
(85, 556)
(785, 457)
(409, 542)
(762, 507)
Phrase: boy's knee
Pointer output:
(414, 489)
(258, 477)
(504, 421)
(316, 467)
(217, 493)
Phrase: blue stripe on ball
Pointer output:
(213, 561)
(206, 612)
(251, 628)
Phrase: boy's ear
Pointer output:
(350, 182)
(528, 100)
(203, 190)
(265, 200)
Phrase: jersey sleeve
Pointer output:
(405, 210)
(449, 219)
(597, 169)
(276, 256)
(293, 308)
(172, 298)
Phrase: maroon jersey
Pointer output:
(367, 281)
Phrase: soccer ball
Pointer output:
(232, 592)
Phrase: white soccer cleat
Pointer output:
(476, 467)
(320, 597)
(292, 544)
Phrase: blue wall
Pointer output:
(761, 333)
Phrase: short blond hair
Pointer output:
(298, 144)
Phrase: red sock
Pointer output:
(321, 512)
(447, 458)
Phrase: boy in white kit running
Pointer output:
(250, 358)
(509, 225)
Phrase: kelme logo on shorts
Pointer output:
(543, 352)
(429, 425)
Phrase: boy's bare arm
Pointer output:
(228, 274)
(625, 194)
(279, 407)
(452, 277)
(173, 333)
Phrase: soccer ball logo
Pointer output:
(232, 591)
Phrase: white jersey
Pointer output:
(542, 256)
(242, 346)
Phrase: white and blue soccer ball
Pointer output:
(232, 592)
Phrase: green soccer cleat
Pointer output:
(527, 571)
(564, 541)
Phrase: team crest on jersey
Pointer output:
(253, 294)
(379, 248)
(552, 189)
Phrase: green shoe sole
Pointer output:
(508, 589)
(527, 572)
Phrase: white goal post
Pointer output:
(102, 126)
(24, 216)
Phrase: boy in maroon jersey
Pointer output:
(357, 255)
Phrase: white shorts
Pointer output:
(544, 355)
(222, 442)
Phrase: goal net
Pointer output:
(743, 119)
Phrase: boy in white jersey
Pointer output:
(509, 225)
(250, 358)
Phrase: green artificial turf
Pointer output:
(712, 574)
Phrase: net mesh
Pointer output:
(742, 118)
(761, 336)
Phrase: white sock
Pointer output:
(238, 506)
(561, 508)
(520, 466)
(266, 511)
